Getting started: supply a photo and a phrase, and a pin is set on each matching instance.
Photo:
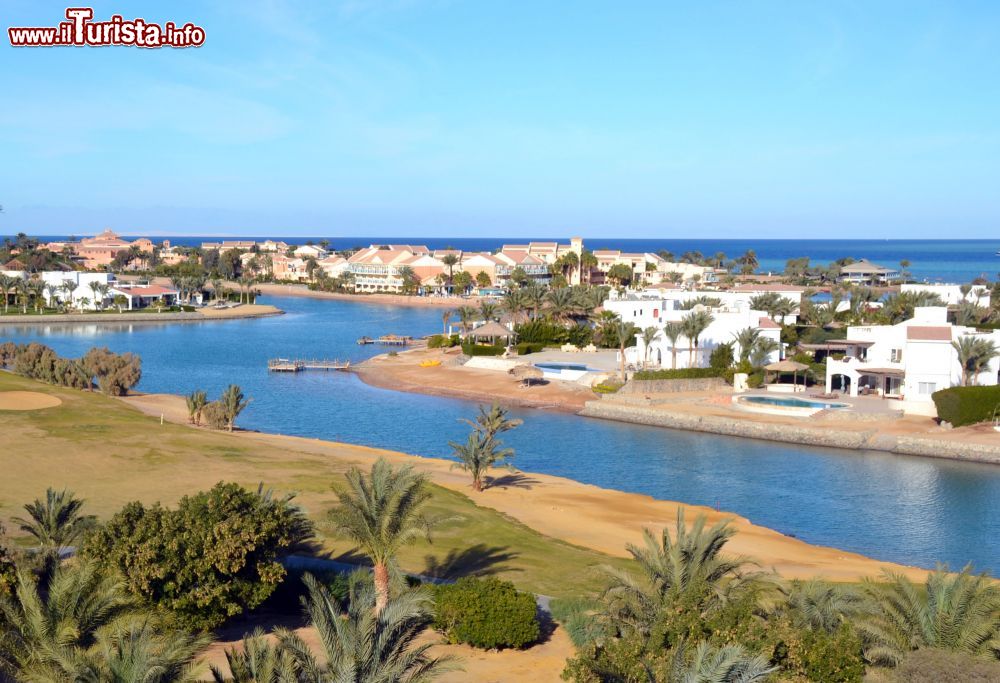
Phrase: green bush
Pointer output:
(486, 613)
(439, 341)
(480, 350)
(524, 348)
(681, 373)
(608, 386)
(722, 357)
(542, 331)
(834, 658)
(966, 405)
(933, 666)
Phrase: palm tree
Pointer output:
(587, 264)
(466, 316)
(233, 403)
(783, 307)
(493, 422)
(68, 286)
(55, 522)
(120, 301)
(7, 283)
(445, 319)
(624, 332)
(366, 645)
(746, 339)
(139, 651)
(974, 354)
(560, 304)
(95, 287)
(821, 605)
(514, 302)
(762, 349)
(726, 664)
(258, 661)
(488, 311)
(694, 324)
(687, 571)
(648, 336)
(52, 290)
(534, 299)
(673, 331)
(196, 402)
(483, 449)
(748, 262)
(958, 612)
(381, 513)
(450, 260)
(50, 627)
(23, 291)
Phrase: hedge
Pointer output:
(480, 350)
(682, 373)
(524, 348)
(486, 613)
(439, 341)
(966, 405)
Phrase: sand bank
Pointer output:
(27, 400)
(582, 514)
(199, 315)
(382, 299)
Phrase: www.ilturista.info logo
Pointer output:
(80, 30)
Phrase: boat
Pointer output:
(430, 363)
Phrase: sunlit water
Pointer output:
(903, 509)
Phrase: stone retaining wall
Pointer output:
(672, 386)
(810, 436)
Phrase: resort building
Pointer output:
(953, 295)
(271, 246)
(655, 308)
(226, 245)
(140, 295)
(549, 253)
(98, 252)
(908, 361)
(865, 272)
(307, 251)
(76, 289)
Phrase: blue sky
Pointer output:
(514, 118)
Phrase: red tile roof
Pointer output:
(768, 324)
(150, 290)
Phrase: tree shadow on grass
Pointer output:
(477, 560)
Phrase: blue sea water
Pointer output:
(903, 509)
(957, 261)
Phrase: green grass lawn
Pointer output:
(109, 454)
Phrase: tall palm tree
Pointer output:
(381, 513)
(958, 612)
(445, 319)
(140, 651)
(587, 264)
(488, 311)
(258, 661)
(974, 354)
(450, 261)
(46, 628)
(95, 287)
(55, 522)
(687, 571)
(762, 349)
(673, 331)
(233, 403)
(7, 283)
(648, 336)
(52, 290)
(23, 291)
(483, 449)
(534, 298)
(466, 316)
(514, 302)
(746, 339)
(695, 323)
(196, 402)
(366, 645)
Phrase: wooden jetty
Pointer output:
(295, 365)
(387, 340)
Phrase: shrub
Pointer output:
(608, 386)
(722, 357)
(214, 557)
(480, 350)
(819, 656)
(966, 405)
(486, 613)
(543, 332)
(933, 666)
(214, 415)
(524, 348)
(115, 373)
(439, 341)
(577, 616)
(681, 373)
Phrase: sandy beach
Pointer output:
(382, 299)
(241, 311)
(581, 514)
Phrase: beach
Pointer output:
(580, 514)
(383, 299)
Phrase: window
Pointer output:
(925, 388)
(896, 356)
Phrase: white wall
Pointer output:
(952, 294)
(82, 282)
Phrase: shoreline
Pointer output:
(302, 291)
(582, 514)
(246, 311)
(693, 411)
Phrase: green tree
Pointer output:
(624, 332)
(959, 612)
(368, 643)
(55, 523)
(445, 319)
(488, 311)
(560, 304)
(483, 449)
(974, 355)
(726, 664)
(381, 513)
(694, 325)
(450, 261)
(462, 281)
(673, 331)
(621, 274)
(515, 304)
(233, 403)
(196, 402)
(483, 280)
(217, 555)
(648, 336)
(466, 316)
(258, 661)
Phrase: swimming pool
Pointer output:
(559, 367)
(791, 402)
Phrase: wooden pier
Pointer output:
(290, 365)
(386, 340)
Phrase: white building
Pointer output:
(78, 289)
(952, 294)
(908, 361)
(655, 308)
(308, 251)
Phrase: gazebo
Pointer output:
(492, 331)
(786, 366)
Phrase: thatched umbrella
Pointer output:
(788, 366)
(526, 373)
